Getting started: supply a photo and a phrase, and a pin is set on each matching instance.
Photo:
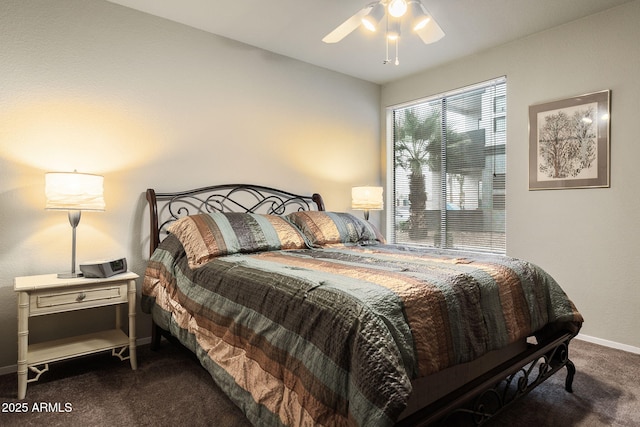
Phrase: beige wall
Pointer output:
(587, 239)
(89, 85)
(92, 86)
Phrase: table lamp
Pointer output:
(74, 192)
(366, 199)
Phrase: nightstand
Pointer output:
(47, 294)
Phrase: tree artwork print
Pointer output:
(567, 141)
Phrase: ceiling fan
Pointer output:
(420, 20)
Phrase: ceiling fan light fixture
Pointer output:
(370, 16)
(397, 8)
(430, 33)
(418, 25)
(420, 17)
(393, 30)
(373, 18)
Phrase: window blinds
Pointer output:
(449, 155)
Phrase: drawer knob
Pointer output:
(81, 297)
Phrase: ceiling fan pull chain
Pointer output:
(386, 61)
(397, 44)
(386, 42)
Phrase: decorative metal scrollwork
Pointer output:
(494, 400)
(232, 198)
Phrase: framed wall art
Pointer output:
(569, 142)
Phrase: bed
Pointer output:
(304, 316)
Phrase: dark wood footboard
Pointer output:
(485, 397)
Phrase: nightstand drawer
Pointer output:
(63, 300)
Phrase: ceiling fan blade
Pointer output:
(344, 29)
(431, 32)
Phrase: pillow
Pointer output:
(322, 228)
(206, 236)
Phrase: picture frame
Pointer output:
(569, 143)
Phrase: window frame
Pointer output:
(498, 103)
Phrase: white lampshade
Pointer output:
(366, 198)
(373, 18)
(420, 18)
(74, 191)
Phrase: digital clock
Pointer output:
(103, 268)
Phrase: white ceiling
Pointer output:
(295, 28)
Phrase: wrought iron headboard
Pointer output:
(164, 208)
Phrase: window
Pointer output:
(449, 169)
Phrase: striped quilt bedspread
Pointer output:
(334, 336)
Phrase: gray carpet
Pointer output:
(170, 388)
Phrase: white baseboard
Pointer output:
(607, 343)
(143, 341)
(12, 369)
